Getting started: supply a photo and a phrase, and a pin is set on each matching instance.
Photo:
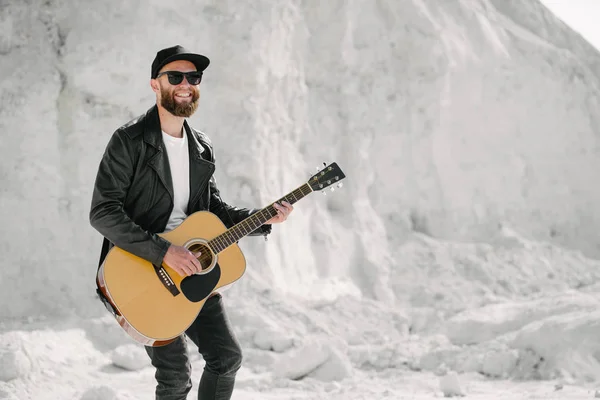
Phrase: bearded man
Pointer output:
(156, 170)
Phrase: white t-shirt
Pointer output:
(179, 161)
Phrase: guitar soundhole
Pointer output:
(206, 256)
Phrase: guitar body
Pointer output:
(155, 311)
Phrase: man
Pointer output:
(155, 171)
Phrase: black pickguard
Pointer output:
(197, 287)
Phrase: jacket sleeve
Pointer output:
(232, 215)
(107, 214)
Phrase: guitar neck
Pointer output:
(255, 221)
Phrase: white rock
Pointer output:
(130, 357)
(4, 395)
(272, 339)
(562, 345)
(499, 364)
(259, 360)
(281, 344)
(105, 333)
(434, 360)
(485, 323)
(100, 393)
(335, 368)
(301, 361)
(14, 363)
(450, 385)
(424, 320)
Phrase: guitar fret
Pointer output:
(239, 232)
(214, 245)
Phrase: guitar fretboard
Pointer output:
(256, 220)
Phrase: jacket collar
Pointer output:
(152, 131)
(200, 169)
(153, 134)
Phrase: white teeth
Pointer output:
(183, 95)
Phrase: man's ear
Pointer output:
(154, 85)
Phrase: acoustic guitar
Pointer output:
(153, 303)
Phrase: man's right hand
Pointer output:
(183, 261)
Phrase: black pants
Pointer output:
(212, 333)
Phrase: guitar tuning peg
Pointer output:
(324, 193)
(324, 164)
(332, 189)
(340, 184)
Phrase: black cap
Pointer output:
(165, 56)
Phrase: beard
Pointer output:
(186, 109)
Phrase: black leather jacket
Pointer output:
(133, 192)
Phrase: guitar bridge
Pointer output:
(166, 280)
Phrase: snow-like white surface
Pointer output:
(458, 259)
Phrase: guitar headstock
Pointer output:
(329, 175)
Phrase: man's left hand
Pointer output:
(283, 211)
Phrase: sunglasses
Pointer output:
(176, 77)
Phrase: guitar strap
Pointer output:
(103, 299)
(103, 252)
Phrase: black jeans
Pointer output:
(212, 333)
